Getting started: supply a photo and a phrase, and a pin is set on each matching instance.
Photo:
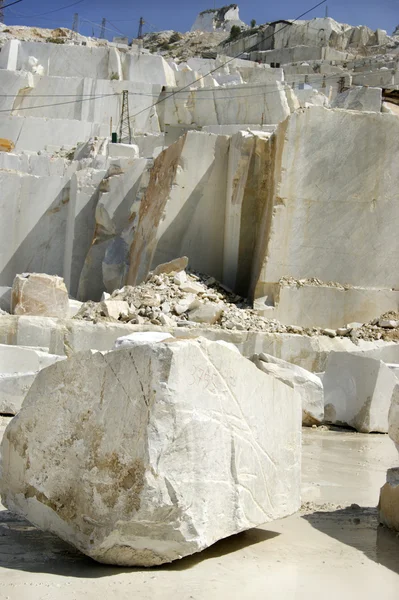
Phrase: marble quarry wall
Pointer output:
(219, 171)
(277, 211)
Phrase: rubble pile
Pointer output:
(386, 328)
(60, 35)
(191, 299)
(183, 46)
(182, 299)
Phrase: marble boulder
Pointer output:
(150, 453)
(39, 294)
(358, 391)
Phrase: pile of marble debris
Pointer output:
(179, 298)
(135, 487)
(386, 328)
(191, 299)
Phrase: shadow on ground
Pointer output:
(23, 547)
(359, 527)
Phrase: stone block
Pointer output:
(191, 287)
(360, 98)
(40, 295)
(334, 212)
(388, 506)
(206, 313)
(393, 417)
(358, 392)
(141, 337)
(306, 384)
(114, 309)
(17, 359)
(18, 369)
(188, 302)
(13, 390)
(147, 454)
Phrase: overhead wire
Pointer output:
(100, 25)
(11, 4)
(51, 11)
(200, 90)
(85, 97)
(57, 104)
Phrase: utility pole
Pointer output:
(124, 127)
(140, 33)
(102, 30)
(75, 24)
(326, 11)
(1, 11)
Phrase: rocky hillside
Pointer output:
(182, 46)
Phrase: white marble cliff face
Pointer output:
(331, 208)
(147, 454)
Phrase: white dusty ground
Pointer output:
(330, 550)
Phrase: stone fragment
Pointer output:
(141, 337)
(180, 278)
(388, 323)
(147, 454)
(307, 384)
(176, 265)
(295, 329)
(152, 300)
(114, 309)
(358, 391)
(74, 307)
(39, 294)
(359, 98)
(165, 308)
(191, 287)
(166, 320)
(189, 302)
(342, 331)
(184, 323)
(206, 313)
(330, 332)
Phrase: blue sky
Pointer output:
(123, 15)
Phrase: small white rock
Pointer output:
(189, 302)
(330, 332)
(180, 278)
(114, 309)
(388, 323)
(192, 288)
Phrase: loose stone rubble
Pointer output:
(136, 471)
(187, 298)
